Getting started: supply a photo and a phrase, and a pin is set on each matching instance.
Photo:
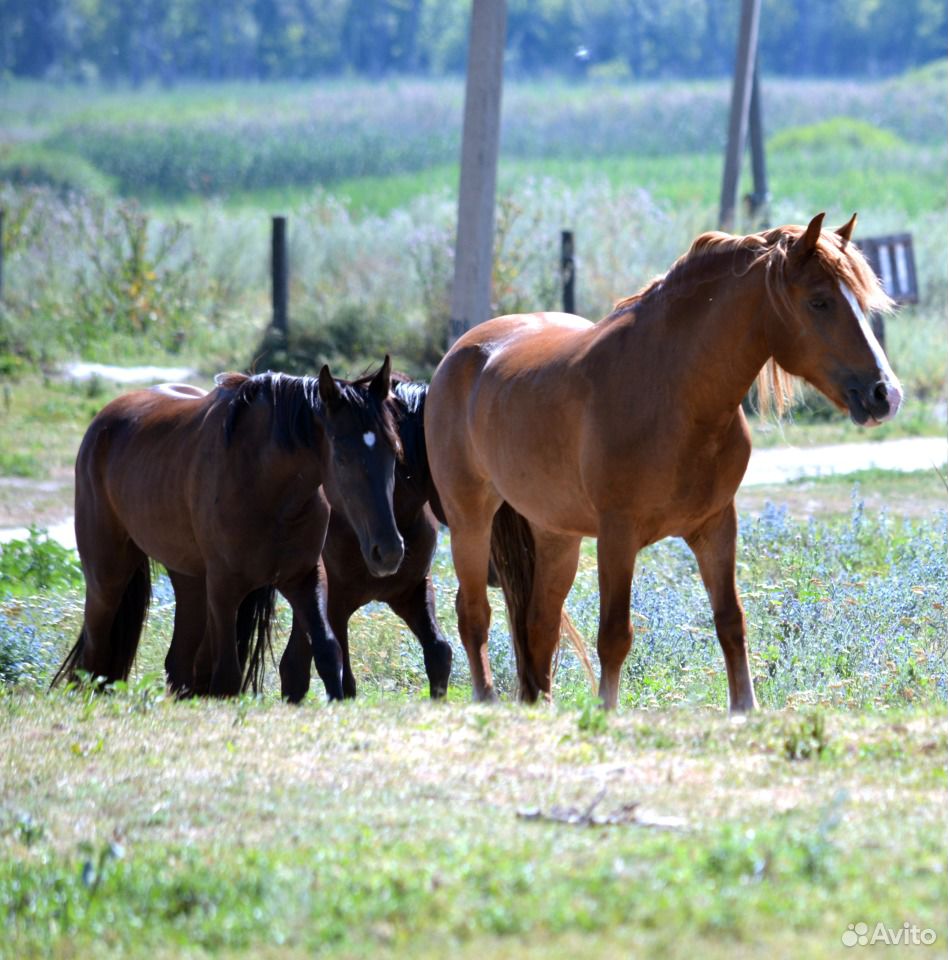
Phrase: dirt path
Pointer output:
(773, 474)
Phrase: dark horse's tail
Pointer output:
(255, 636)
(125, 634)
(513, 562)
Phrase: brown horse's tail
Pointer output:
(125, 634)
(513, 561)
(255, 636)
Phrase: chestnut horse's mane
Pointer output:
(713, 255)
(294, 400)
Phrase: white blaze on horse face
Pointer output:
(368, 439)
(894, 388)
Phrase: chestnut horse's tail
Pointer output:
(254, 636)
(513, 560)
(125, 634)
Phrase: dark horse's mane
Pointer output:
(293, 402)
(409, 398)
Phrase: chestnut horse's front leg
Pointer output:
(714, 547)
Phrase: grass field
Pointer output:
(135, 827)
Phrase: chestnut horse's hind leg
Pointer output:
(470, 549)
(616, 553)
(190, 619)
(714, 547)
(557, 557)
(417, 609)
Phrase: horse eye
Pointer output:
(819, 303)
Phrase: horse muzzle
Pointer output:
(874, 404)
(383, 558)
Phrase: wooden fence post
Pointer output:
(480, 139)
(279, 275)
(568, 271)
(740, 110)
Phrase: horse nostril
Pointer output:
(377, 554)
(880, 393)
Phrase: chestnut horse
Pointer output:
(350, 582)
(631, 430)
(226, 490)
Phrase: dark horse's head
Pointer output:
(359, 473)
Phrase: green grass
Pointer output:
(840, 180)
(406, 829)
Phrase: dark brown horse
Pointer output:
(351, 584)
(226, 490)
(631, 430)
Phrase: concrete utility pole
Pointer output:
(473, 255)
(741, 93)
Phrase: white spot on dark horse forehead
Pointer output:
(368, 438)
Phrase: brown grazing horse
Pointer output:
(350, 582)
(631, 430)
(226, 490)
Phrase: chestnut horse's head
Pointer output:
(823, 290)
(359, 478)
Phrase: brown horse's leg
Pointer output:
(417, 609)
(470, 549)
(223, 598)
(557, 557)
(295, 664)
(115, 572)
(190, 619)
(714, 547)
(616, 553)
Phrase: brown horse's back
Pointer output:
(521, 394)
(133, 471)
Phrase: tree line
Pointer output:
(138, 41)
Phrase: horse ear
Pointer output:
(846, 230)
(382, 381)
(328, 389)
(806, 244)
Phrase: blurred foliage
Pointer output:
(141, 40)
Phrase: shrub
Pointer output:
(833, 134)
(31, 165)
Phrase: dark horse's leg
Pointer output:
(295, 664)
(306, 599)
(338, 613)
(190, 619)
(714, 547)
(417, 609)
